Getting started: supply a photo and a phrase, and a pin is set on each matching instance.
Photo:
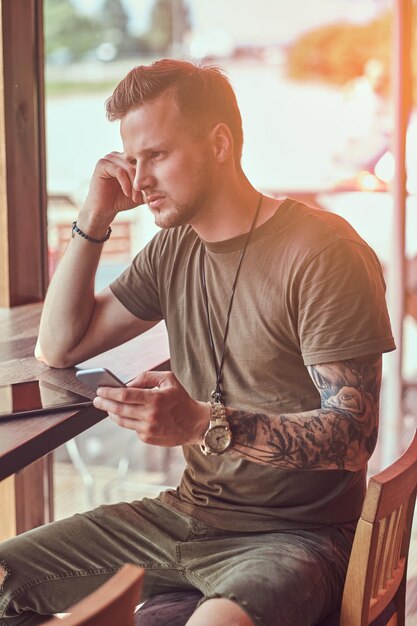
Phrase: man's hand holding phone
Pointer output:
(157, 407)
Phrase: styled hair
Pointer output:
(203, 93)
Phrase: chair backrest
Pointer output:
(377, 567)
(111, 604)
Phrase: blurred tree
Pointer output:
(338, 53)
(115, 35)
(68, 35)
(114, 16)
(169, 24)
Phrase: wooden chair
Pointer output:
(111, 604)
(377, 568)
(374, 591)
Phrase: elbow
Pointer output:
(361, 452)
(369, 440)
(56, 360)
(356, 463)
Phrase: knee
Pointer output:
(220, 611)
(4, 572)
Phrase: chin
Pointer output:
(167, 221)
(170, 218)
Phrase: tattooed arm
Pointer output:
(340, 435)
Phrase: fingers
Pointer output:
(153, 379)
(127, 395)
(134, 405)
(125, 173)
(114, 165)
(113, 186)
(133, 408)
(125, 422)
(129, 416)
(138, 426)
(143, 394)
(124, 181)
(142, 429)
(123, 408)
(154, 405)
(146, 430)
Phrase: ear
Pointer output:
(222, 142)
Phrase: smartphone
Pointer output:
(99, 377)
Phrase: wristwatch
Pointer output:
(218, 437)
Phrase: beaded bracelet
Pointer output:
(77, 230)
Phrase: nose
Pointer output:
(143, 179)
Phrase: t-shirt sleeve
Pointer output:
(137, 287)
(342, 311)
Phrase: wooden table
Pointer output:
(25, 463)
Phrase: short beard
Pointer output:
(179, 215)
(182, 214)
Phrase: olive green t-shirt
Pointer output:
(310, 290)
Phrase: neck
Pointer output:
(230, 211)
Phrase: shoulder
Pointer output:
(319, 227)
(318, 235)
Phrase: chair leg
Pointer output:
(79, 464)
(393, 621)
(399, 600)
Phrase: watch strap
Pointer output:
(218, 417)
(218, 412)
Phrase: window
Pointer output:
(313, 83)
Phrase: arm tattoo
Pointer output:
(340, 435)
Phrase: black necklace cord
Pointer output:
(206, 303)
(217, 394)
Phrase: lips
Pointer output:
(153, 197)
(154, 200)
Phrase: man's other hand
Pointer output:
(112, 187)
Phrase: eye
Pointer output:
(132, 162)
(156, 154)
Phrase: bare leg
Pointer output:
(3, 574)
(219, 611)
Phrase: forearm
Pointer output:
(67, 335)
(341, 434)
(70, 300)
(319, 439)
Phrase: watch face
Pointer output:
(218, 438)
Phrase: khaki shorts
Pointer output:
(278, 578)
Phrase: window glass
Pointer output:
(312, 80)
(313, 83)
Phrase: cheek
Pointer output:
(173, 171)
(185, 173)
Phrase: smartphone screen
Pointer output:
(37, 396)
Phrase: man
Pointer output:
(276, 320)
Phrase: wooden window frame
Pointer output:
(27, 496)
(23, 197)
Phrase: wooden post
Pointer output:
(392, 416)
(26, 499)
(23, 203)
(7, 508)
(33, 489)
(23, 233)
